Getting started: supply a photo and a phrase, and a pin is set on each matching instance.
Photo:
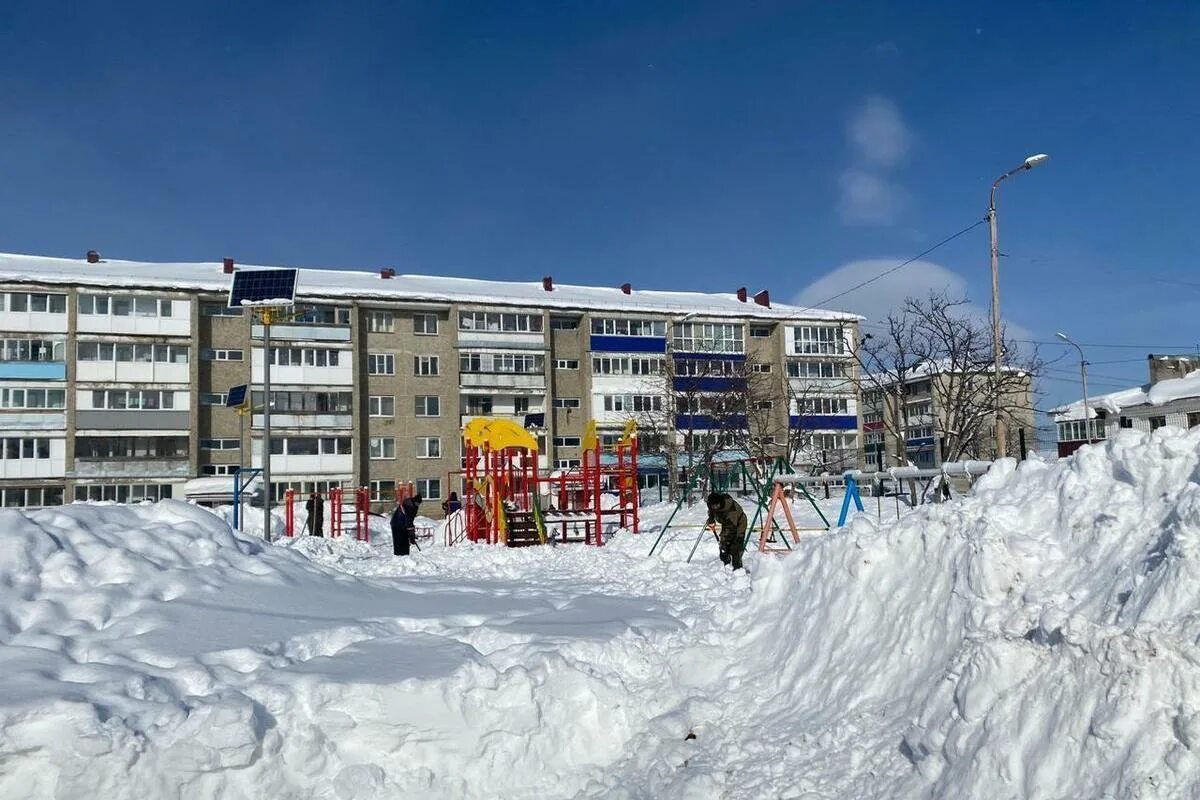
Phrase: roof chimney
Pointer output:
(387, 272)
(228, 266)
(626, 288)
(763, 298)
(741, 293)
(548, 283)
(93, 257)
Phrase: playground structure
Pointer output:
(507, 500)
(348, 512)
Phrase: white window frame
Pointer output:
(381, 448)
(566, 363)
(376, 404)
(424, 330)
(381, 363)
(421, 406)
(381, 321)
(427, 366)
(423, 488)
(567, 402)
(423, 447)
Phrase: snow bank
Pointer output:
(1036, 639)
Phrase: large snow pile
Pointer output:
(1035, 639)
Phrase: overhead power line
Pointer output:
(901, 265)
(1147, 347)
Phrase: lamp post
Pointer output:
(1087, 411)
(1028, 164)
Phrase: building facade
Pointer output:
(1171, 398)
(924, 425)
(114, 374)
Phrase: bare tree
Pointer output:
(886, 362)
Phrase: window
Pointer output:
(306, 357)
(125, 305)
(629, 327)
(816, 369)
(819, 339)
(42, 303)
(122, 492)
(499, 323)
(1127, 422)
(312, 446)
(220, 444)
(215, 310)
(1074, 431)
(1157, 422)
(30, 496)
(99, 448)
(221, 355)
(428, 405)
(760, 331)
(823, 405)
(429, 447)
(381, 364)
(212, 399)
(144, 399)
(381, 322)
(760, 367)
(425, 366)
(32, 350)
(566, 402)
(708, 368)
(381, 405)
(633, 402)
(218, 469)
(33, 398)
(566, 363)
(381, 448)
(302, 402)
(14, 449)
(425, 324)
(709, 337)
(126, 353)
(626, 365)
(505, 363)
(383, 491)
(324, 315)
(763, 405)
(1193, 419)
(477, 405)
(520, 405)
(429, 488)
(566, 441)
(567, 463)
(564, 323)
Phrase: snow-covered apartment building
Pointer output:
(1172, 397)
(114, 374)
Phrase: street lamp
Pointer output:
(1087, 411)
(1027, 164)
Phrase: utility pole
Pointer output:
(997, 344)
(266, 315)
(1087, 411)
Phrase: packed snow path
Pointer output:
(1037, 639)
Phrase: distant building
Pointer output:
(1172, 397)
(935, 402)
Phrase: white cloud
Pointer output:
(865, 198)
(877, 132)
(876, 300)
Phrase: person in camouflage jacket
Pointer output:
(723, 510)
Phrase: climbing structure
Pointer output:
(506, 499)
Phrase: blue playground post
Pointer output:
(851, 493)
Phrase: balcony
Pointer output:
(517, 418)
(304, 333)
(316, 421)
(33, 370)
(35, 322)
(508, 340)
(178, 324)
(26, 468)
(133, 372)
(341, 375)
(33, 420)
(306, 465)
(132, 468)
(502, 380)
(133, 420)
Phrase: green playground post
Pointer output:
(678, 505)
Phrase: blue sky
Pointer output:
(703, 144)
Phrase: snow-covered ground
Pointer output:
(1037, 639)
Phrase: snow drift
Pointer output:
(1037, 639)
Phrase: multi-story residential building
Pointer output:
(1171, 398)
(942, 415)
(114, 374)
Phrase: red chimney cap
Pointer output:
(626, 288)
(93, 257)
(387, 272)
(227, 266)
(763, 298)
(741, 293)
(548, 283)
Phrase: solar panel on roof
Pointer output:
(236, 397)
(262, 286)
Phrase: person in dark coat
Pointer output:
(723, 510)
(316, 514)
(404, 525)
(452, 504)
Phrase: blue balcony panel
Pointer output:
(33, 370)
(825, 422)
(628, 344)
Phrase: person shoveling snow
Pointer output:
(723, 510)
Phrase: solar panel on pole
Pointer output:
(262, 287)
(236, 398)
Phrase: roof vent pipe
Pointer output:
(548, 283)
(228, 266)
(93, 257)
(626, 288)
(741, 293)
(387, 273)
(763, 298)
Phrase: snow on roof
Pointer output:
(1157, 394)
(335, 283)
